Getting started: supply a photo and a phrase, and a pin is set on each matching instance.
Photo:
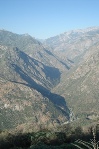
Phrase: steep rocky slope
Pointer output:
(81, 86)
(37, 83)
(18, 64)
(33, 48)
(25, 97)
(72, 45)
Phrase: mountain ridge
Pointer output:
(71, 45)
(48, 86)
(25, 92)
(80, 88)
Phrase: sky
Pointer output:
(46, 18)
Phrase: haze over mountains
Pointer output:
(41, 83)
(74, 43)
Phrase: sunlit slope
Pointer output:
(81, 86)
(25, 97)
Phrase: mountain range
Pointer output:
(50, 83)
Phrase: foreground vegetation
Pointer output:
(67, 138)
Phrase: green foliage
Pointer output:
(44, 146)
(45, 139)
(93, 144)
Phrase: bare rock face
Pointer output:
(73, 44)
(33, 48)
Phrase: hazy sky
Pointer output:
(46, 18)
